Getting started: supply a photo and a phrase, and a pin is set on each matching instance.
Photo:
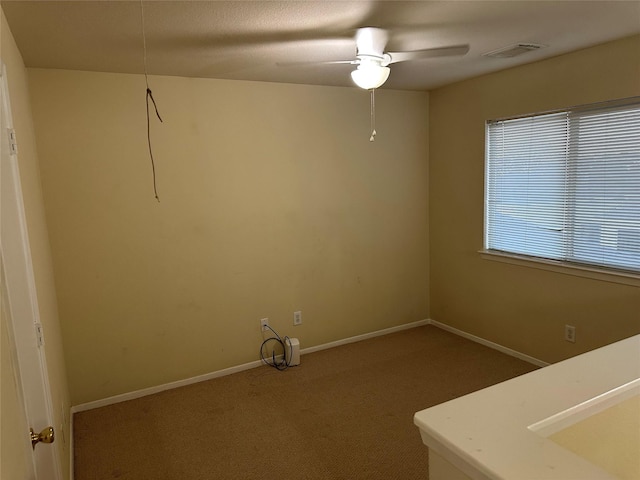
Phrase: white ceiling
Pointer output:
(246, 40)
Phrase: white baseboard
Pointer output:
(365, 336)
(247, 366)
(489, 344)
(228, 371)
(161, 388)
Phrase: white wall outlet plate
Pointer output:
(570, 333)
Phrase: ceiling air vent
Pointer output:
(513, 50)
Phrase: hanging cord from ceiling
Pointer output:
(149, 95)
(274, 361)
(372, 138)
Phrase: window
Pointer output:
(565, 186)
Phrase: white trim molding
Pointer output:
(565, 268)
(161, 388)
(490, 344)
(228, 371)
(366, 336)
(247, 366)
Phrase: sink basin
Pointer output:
(604, 430)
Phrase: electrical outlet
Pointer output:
(297, 318)
(570, 333)
(263, 324)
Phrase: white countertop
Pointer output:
(487, 434)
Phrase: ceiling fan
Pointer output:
(373, 62)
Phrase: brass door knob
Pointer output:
(45, 436)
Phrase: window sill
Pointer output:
(564, 268)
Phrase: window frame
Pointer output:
(599, 272)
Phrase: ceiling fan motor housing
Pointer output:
(371, 42)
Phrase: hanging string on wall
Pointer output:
(372, 138)
(149, 95)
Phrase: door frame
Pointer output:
(26, 335)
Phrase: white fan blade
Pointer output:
(310, 63)
(454, 50)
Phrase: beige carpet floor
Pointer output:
(344, 413)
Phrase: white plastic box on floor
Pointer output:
(293, 351)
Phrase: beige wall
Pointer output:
(519, 307)
(272, 200)
(38, 238)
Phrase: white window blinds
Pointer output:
(566, 186)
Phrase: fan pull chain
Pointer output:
(372, 138)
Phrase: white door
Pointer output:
(24, 331)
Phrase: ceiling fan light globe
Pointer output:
(370, 76)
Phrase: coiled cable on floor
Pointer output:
(284, 362)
